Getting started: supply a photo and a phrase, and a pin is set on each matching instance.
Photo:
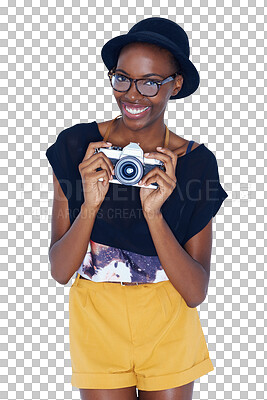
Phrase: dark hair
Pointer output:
(175, 64)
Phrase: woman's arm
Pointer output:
(68, 244)
(188, 270)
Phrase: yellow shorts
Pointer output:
(143, 335)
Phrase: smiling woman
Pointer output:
(141, 246)
(134, 93)
(146, 87)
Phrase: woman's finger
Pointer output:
(168, 158)
(95, 161)
(162, 182)
(99, 160)
(148, 178)
(169, 153)
(94, 145)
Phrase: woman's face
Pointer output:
(135, 61)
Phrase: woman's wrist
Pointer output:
(88, 211)
(151, 215)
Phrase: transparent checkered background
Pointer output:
(52, 77)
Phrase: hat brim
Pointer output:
(110, 53)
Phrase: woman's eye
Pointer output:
(151, 83)
(120, 78)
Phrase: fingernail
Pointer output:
(140, 182)
(109, 143)
(159, 147)
(146, 154)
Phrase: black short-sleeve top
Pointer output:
(121, 247)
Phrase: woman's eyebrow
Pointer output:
(145, 76)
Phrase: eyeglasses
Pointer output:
(146, 87)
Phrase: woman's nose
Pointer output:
(133, 92)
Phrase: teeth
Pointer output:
(135, 110)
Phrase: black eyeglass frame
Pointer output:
(158, 83)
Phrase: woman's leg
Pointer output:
(184, 392)
(128, 393)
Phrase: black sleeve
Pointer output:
(208, 202)
(57, 155)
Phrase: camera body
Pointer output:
(130, 165)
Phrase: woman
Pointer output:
(142, 254)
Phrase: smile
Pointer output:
(135, 112)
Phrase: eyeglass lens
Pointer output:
(145, 86)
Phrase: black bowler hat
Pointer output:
(162, 32)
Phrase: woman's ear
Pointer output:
(178, 83)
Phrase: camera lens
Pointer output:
(129, 170)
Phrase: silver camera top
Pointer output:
(132, 149)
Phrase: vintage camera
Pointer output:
(130, 165)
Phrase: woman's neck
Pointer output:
(148, 138)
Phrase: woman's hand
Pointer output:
(94, 190)
(153, 199)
